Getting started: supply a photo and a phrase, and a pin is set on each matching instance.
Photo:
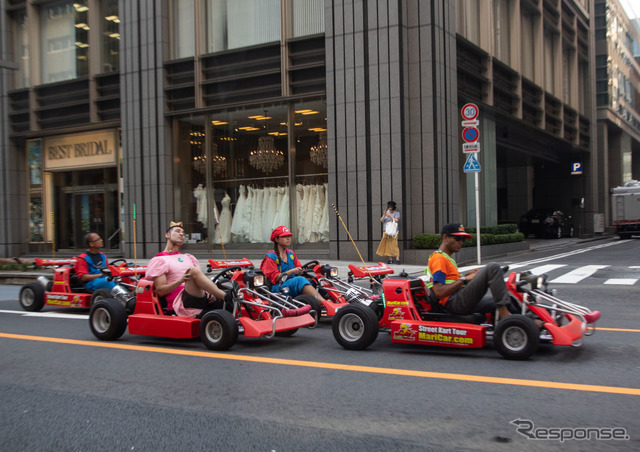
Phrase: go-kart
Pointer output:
(412, 315)
(66, 289)
(245, 312)
(338, 293)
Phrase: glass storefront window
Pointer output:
(240, 165)
(311, 178)
(110, 35)
(241, 23)
(183, 29)
(308, 17)
(21, 49)
(64, 40)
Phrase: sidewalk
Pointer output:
(20, 278)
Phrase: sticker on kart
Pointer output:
(432, 333)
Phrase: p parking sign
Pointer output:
(576, 168)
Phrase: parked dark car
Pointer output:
(546, 223)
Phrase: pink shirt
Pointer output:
(173, 267)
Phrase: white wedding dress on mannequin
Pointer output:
(225, 219)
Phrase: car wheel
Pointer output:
(32, 297)
(218, 330)
(516, 337)
(312, 301)
(108, 319)
(355, 326)
(98, 295)
(625, 235)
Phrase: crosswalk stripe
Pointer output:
(546, 268)
(577, 275)
(621, 281)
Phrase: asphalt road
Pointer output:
(62, 389)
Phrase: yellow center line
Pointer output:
(629, 330)
(346, 367)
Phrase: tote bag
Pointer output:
(391, 228)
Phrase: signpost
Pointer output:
(470, 135)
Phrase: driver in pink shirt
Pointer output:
(178, 278)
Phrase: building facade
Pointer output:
(618, 96)
(122, 116)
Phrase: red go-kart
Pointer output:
(218, 329)
(411, 315)
(66, 289)
(339, 293)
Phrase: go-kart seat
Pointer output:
(76, 285)
(437, 313)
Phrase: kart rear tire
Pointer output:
(108, 319)
(100, 294)
(218, 330)
(32, 297)
(355, 326)
(516, 337)
(311, 301)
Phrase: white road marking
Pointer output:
(546, 268)
(56, 315)
(621, 281)
(558, 256)
(577, 275)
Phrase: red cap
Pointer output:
(280, 231)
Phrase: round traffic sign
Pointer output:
(470, 134)
(469, 112)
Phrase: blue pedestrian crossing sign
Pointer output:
(472, 165)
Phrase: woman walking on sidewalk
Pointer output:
(389, 244)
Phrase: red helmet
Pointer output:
(280, 231)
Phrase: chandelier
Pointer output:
(218, 162)
(319, 153)
(266, 158)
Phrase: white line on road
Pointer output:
(56, 315)
(577, 275)
(558, 256)
(546, 268)
(621, 281)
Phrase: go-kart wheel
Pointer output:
(98, 295)
(311, 301)
(516, 337)
(287, 333)
(32, 297)
(218, 330)
(309, 265)
(108, 319)
(355, 326)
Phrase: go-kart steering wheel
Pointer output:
(116, 261)
(227, 273)
(309, 265)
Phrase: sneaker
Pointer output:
(390, 261)
(398, 262)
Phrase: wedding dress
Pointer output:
(225, 220)
(200, 193)
(237, 225)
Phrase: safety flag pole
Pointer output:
(53, 240)
(215, 214)
(354, 243)
(135, 248)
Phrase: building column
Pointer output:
(392, 114)
(147, 156)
